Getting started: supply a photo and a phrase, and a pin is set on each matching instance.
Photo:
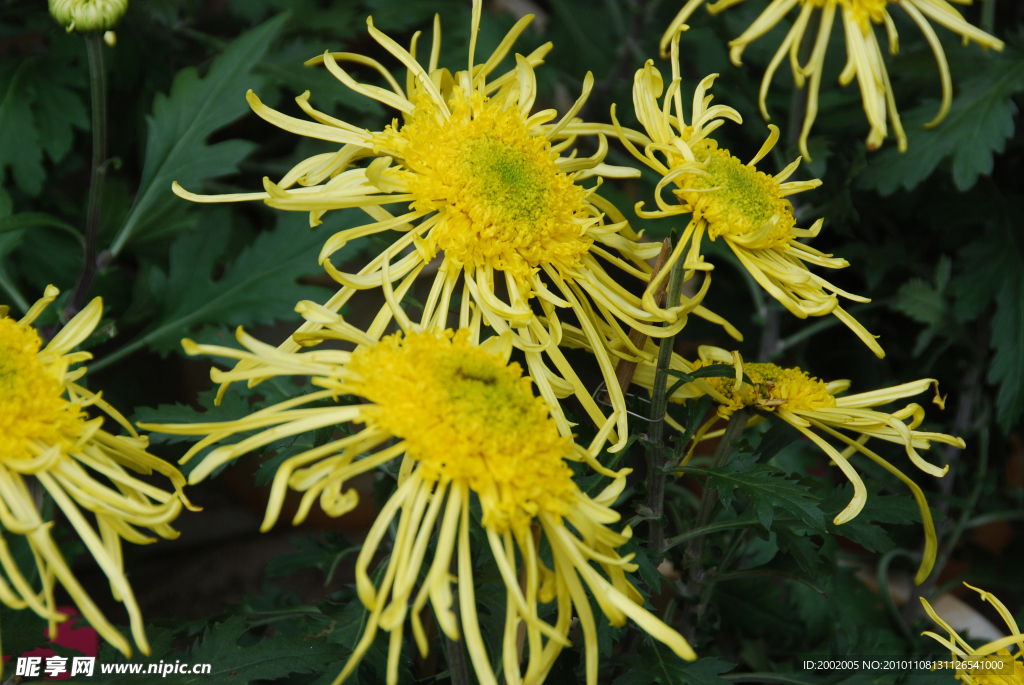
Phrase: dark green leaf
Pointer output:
(1007, 366)
(978, 125)
(766, 487)
(655, 663)
(893, 509)
(21, 631)
(258, 287)
(921, 302)
(20, 145)
(176, 149)
(780, 436)
(801, 548)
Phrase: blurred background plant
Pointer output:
(933, 237)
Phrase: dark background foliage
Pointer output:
(933, 237)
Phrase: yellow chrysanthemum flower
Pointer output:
(863, 52)
(961, 651)
(466, 423)
(811, 405)
(493, 188)
(731, 200)
(46, 434)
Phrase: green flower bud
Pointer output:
(87, 15)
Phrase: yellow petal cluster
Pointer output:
(961, 650)
(492, 188)
(728, 199)
(49, 443)
(864, 59)
(465, 424)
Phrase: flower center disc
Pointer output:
(32, 409)
(774, 386)
(738, 200)
(503, 200)
(467, 416)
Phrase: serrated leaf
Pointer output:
(268, 659)
(1007, 366)
(978, 125)
(176, 148)
(258, 287)
(655, 663)
(985, 265)
(323, 554)
(802, 549)
(20, 145)
(780, 436)
(648, 570)
(891, 509)
(921, 302)
(766, 487)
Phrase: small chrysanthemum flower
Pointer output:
(47, 437)
(960, 651)
(812, 406)
(87, 15)
(466, 424)
(493, 188)
(864, 53)
(728, 199)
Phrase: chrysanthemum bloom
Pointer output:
(863, 52)
(810, 406)
(492, 187)
(87, 15)
(465, 422)
(731, 200)
(46, 434)
(961, 651)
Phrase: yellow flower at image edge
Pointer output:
(88, 15)
(46, 434)
(812, 406)
(961, 651)
(493, 188)
(864, 54)
(466, 423)
(728, 199)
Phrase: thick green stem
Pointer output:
(98, 88)
(659, 405)
(731, 438)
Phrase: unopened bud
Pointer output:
(88, 15)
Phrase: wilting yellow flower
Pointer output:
(731, 200)
(45, 433)
(492, 187)
(88, 15)
(465, 422)
(811, 405)
(863, 52)
(961, 651)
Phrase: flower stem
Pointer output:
(98, 88)
(988, 16)
(656, 434)
(733, 432)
